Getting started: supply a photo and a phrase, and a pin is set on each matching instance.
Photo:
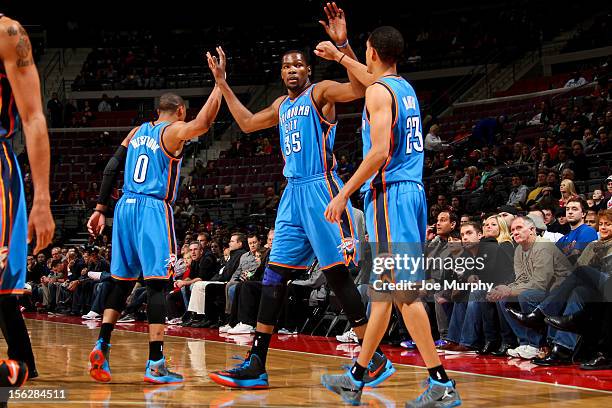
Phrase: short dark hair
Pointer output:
(302, 53)
(388, 43)
(253, 235)
(240, 237)
(55, 263)
(170, 102)
(476, 225)
(577, 199)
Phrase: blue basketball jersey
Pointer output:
(405, 161)
(149, 168)
(306, 137)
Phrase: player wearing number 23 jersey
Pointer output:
(395, 206)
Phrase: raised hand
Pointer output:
(328, 51)
(335, 26)
(217, 65)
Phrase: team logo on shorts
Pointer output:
(3, 257)
(347, 245)
(171, 261)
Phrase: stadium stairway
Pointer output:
(504, 76)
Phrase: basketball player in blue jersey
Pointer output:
(143, 225)
(391, 176)
(306, 121)
(20, 104)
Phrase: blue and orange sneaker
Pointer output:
(379, 369)
(157, 372)
(249, 374)
(99, 369)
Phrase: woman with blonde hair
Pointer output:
(568, 190)
(497, 251)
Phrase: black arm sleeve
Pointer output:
(112, 169)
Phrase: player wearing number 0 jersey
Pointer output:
(143, 225)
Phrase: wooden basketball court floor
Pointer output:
(62, 346)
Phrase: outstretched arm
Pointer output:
(16, 55)
(378, 102)
(247, 121)
(335, 27)
(354, 68)
(175, 136)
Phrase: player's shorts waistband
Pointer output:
(310, 179)
(132, 195)
(412, 184)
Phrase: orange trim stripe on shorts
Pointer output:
(287, 266)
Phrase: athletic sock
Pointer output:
(358, 371)
(156, 350)
(438, 374)
(261, 343)
(105, 333)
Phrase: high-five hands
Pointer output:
(217, 64)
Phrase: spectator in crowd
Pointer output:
(490, 198)
(438, 248)
(536, 195)
(538, 267)
(576, 80)
(568, 191)
(591, 219)
(245, 271)
(550, 219)
(581, 234)
(270, 203)
(581, 163)
(605, 144)
(518, 194)
(55, 111)
(573, 297)
(598, 200)
(440, 205)
(433, 142)
(565, 160)
(508, 213)
(205, 295)
(537, 216)
(459, 180)
(104, 105)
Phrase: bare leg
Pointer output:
(156, 332)
(110, 316)
(417, 322)
(375, 331)
(265, 328)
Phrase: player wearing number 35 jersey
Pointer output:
(307, 127)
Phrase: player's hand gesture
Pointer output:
(328, 51)
(41, 226)
(217, 64)
(335, 209)
(96, 223)
(335, 26)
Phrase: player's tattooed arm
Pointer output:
(22, 47)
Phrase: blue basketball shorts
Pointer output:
(143, 238)
(301, 231)
(396, 222)
(14, 222)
